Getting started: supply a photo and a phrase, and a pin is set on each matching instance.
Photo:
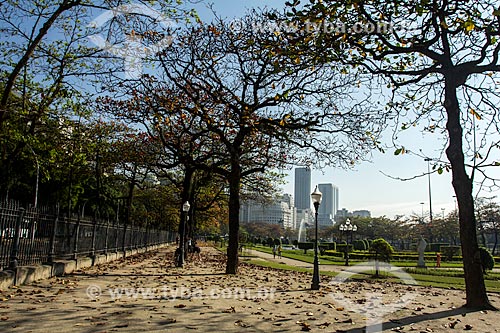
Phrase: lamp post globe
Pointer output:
(316, 199)
(348, 228)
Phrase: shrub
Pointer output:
(382, 249)
(323, 247)
(487, 260)
(449, 252)
(436, 247)
(360, 245)
(334, 254)
(295, 242)
(342, 248)
(328, 245)
(305, 246)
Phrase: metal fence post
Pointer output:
(94, 230)
(116, 226)
(14, 251)
(136, 237)
(106, 239)
(124, 244)
(130, 239)
(77, 238)
(52, 251)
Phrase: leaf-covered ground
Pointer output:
(146, 293)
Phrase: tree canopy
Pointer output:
(441, 62)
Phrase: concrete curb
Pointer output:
(30, 274)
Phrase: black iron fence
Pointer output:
(32, 236)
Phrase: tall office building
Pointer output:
(302, 189)
(329, 204)
(277, 211)
(335, 200)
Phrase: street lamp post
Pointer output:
(348, 228)
(422, 215)
(185, 209)
(316, 199)
(429, 178)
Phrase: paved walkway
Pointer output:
(146, 293)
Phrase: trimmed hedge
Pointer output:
(328, 246)
(395, 257)
(305, 246)
(334, 254)
(360, 245)
(435, 247)
(450, 251)
(342, 248)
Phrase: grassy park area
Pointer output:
(449, 275)
(334, 260)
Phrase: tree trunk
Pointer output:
(493, 251)
(130, 196)
(462, 184)
(234, 218)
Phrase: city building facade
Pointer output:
(329, 204)
(362, 213)
(302, 188)
(278, 211)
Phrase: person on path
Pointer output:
(274, 251)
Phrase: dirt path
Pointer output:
(147, 294)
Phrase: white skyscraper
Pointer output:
(329, 204)
(277, 211)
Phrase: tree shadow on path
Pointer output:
(392, 324)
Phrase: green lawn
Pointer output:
(329, 260)
(442, 278)
(439, 281)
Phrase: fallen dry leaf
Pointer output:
(241, 323)
(230, 310)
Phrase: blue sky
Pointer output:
(366, 186)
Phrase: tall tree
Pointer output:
(48, 15)
(441, 58)
(263, 107)
(48, 62)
